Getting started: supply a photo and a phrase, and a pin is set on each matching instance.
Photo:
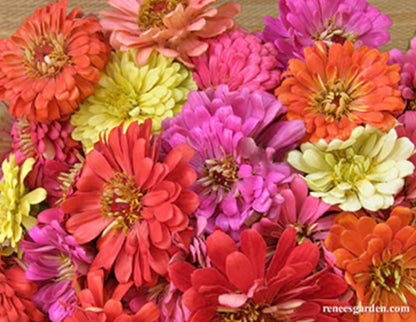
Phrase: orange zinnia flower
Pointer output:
(334, 90)
(50, 64)
(379, 260)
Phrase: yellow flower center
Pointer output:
(250, 312)
(220, 174)
(334, 34)
(152, 12)
(66, 179)
(24, 139)
(350, 167)
(304, 231)
(120, 199)
(46, 56)
(67, 270)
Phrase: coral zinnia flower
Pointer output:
(175, 28)
(15, 294)
(333, 21)
(238, 59)
(129, 93)
(242, 286)
(54, 258)
(102, 303)
(335, 90)
(133, 202)
(365, 171)
(378, 260)
(15, 203)
(50, 64)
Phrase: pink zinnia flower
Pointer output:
(133, 202)
(238, 59)
(303, 21)
(175, 28)
(242, 285)
(54, 258)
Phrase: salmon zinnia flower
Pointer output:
(50, 64)
(334, 90)
(133, 202)
(378, 260)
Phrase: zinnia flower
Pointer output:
(129, 93)
(333, 91)
(102, 303)
(15, 294)
(378, 260)
(54, 259)
(333, 21)
(238, 59)
(6, 123)
(133, 202)
(175, 28)
(365, 171)
(242, 286)
(15, 203)
(50, 64)
(237, 180)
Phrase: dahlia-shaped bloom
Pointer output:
(50, 64)
(133, 202)
(54, 258)
(301, 22)
(129, 93)
(300, 211)
(407, 63)
(175, 28)
(237, 179)
(242, 286)
(15, 294)
(45, 142)
(6, 123)
(238, 59)
(15, 203)
(98, 302)
(335, 90)
(378, 261)
(365, 171)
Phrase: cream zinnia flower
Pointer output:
(365, 171)
(15, 202)
(128, 93)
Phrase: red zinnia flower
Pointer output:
(242, 286)
(133, 202)
(50, 64)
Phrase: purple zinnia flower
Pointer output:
(54, 259)
(237, 177)
(303, 21)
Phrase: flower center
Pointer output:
(304, 231)
(67, 270)
(350, 167)
(250, 312)
(23, 140)
(152, 12)
(66, 179)
(121, 200)
(46, 56)
(220, 174)
(334, 34)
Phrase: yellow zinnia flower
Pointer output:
(15, 202)
(130, 93)
(365, 171)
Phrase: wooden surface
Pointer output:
(402, 12)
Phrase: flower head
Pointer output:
(366, 170)
(241, 285)
(335, 90)
(50, 64)
(133, 202)
(15, 293)
(238, 59)
(378, 260)
(175, 28)
(54, 259)
(129, 93)
(332, 21)
(15, 203)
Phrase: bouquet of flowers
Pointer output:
(160, 163)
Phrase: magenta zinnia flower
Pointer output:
(241, 285)
(54, 259)
(237, 178)
(238, 59)
(303, 21)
